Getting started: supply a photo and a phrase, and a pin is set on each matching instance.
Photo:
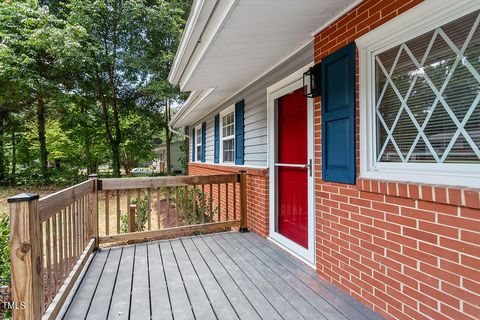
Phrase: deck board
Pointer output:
(140, 298)
(106, 284)
(220, 303)
(348, 305)
(161, 307)
(219, 276)
(179, 298)
(120, 304)
(86, 291)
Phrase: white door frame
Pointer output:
(277, 90)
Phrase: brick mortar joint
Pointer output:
(366, 187)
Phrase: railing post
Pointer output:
(25, 242)
(93, 209)
(243, 201)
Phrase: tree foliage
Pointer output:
(83, 83)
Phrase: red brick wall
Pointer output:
(408, 251)
(257, 192)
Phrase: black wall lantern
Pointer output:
(312, 77)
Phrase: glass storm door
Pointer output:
(292, 167)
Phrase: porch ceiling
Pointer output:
(242, 40)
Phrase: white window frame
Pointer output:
(419, 20)
(197, 130)
(222, 114)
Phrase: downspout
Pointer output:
(178, 132)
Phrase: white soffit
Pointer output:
(242, 40)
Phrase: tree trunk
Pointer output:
(42, 138)
(14, 157)
(168, 138)
(115, 146)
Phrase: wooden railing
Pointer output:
(53, 237)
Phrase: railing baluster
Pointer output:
(60, 245)
(139, 210)
(75, 229)
(158, 209)
(185, 205)
(226, 202)
(210, 195)
(82, 226)
(55, 253)
(70, 234)
(65, 242)
(203, 204)
(149, 208)
(167, 211)
(107, 212)
(194, 196)
(118, 211)
(234, 201)
(219, 203)
(129, 226)
(49, 261)
(176, 207)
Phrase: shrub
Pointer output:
(4, 246)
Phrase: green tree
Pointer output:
(40, 50)
(130, 46)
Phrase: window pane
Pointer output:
(431, 97)
(228, 150)
(228, 125)
(199, 136)
(199, 153)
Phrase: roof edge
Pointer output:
(195, 98)
(197, 19)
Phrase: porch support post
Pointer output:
(243, 201)
(92, 222)
(25, 241)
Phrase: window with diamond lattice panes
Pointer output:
(427, 92)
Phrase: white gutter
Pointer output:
(200, 13)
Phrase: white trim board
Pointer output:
(419, 20)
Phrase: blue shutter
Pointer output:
(239, 132)
(193, 145)
(204, 139)
(338, 116)
(216, 146)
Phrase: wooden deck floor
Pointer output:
(220, 276)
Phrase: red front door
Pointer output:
(292, 173)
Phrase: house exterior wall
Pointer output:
(255, 97)
(409, 251)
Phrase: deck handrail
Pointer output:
(53, 237)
